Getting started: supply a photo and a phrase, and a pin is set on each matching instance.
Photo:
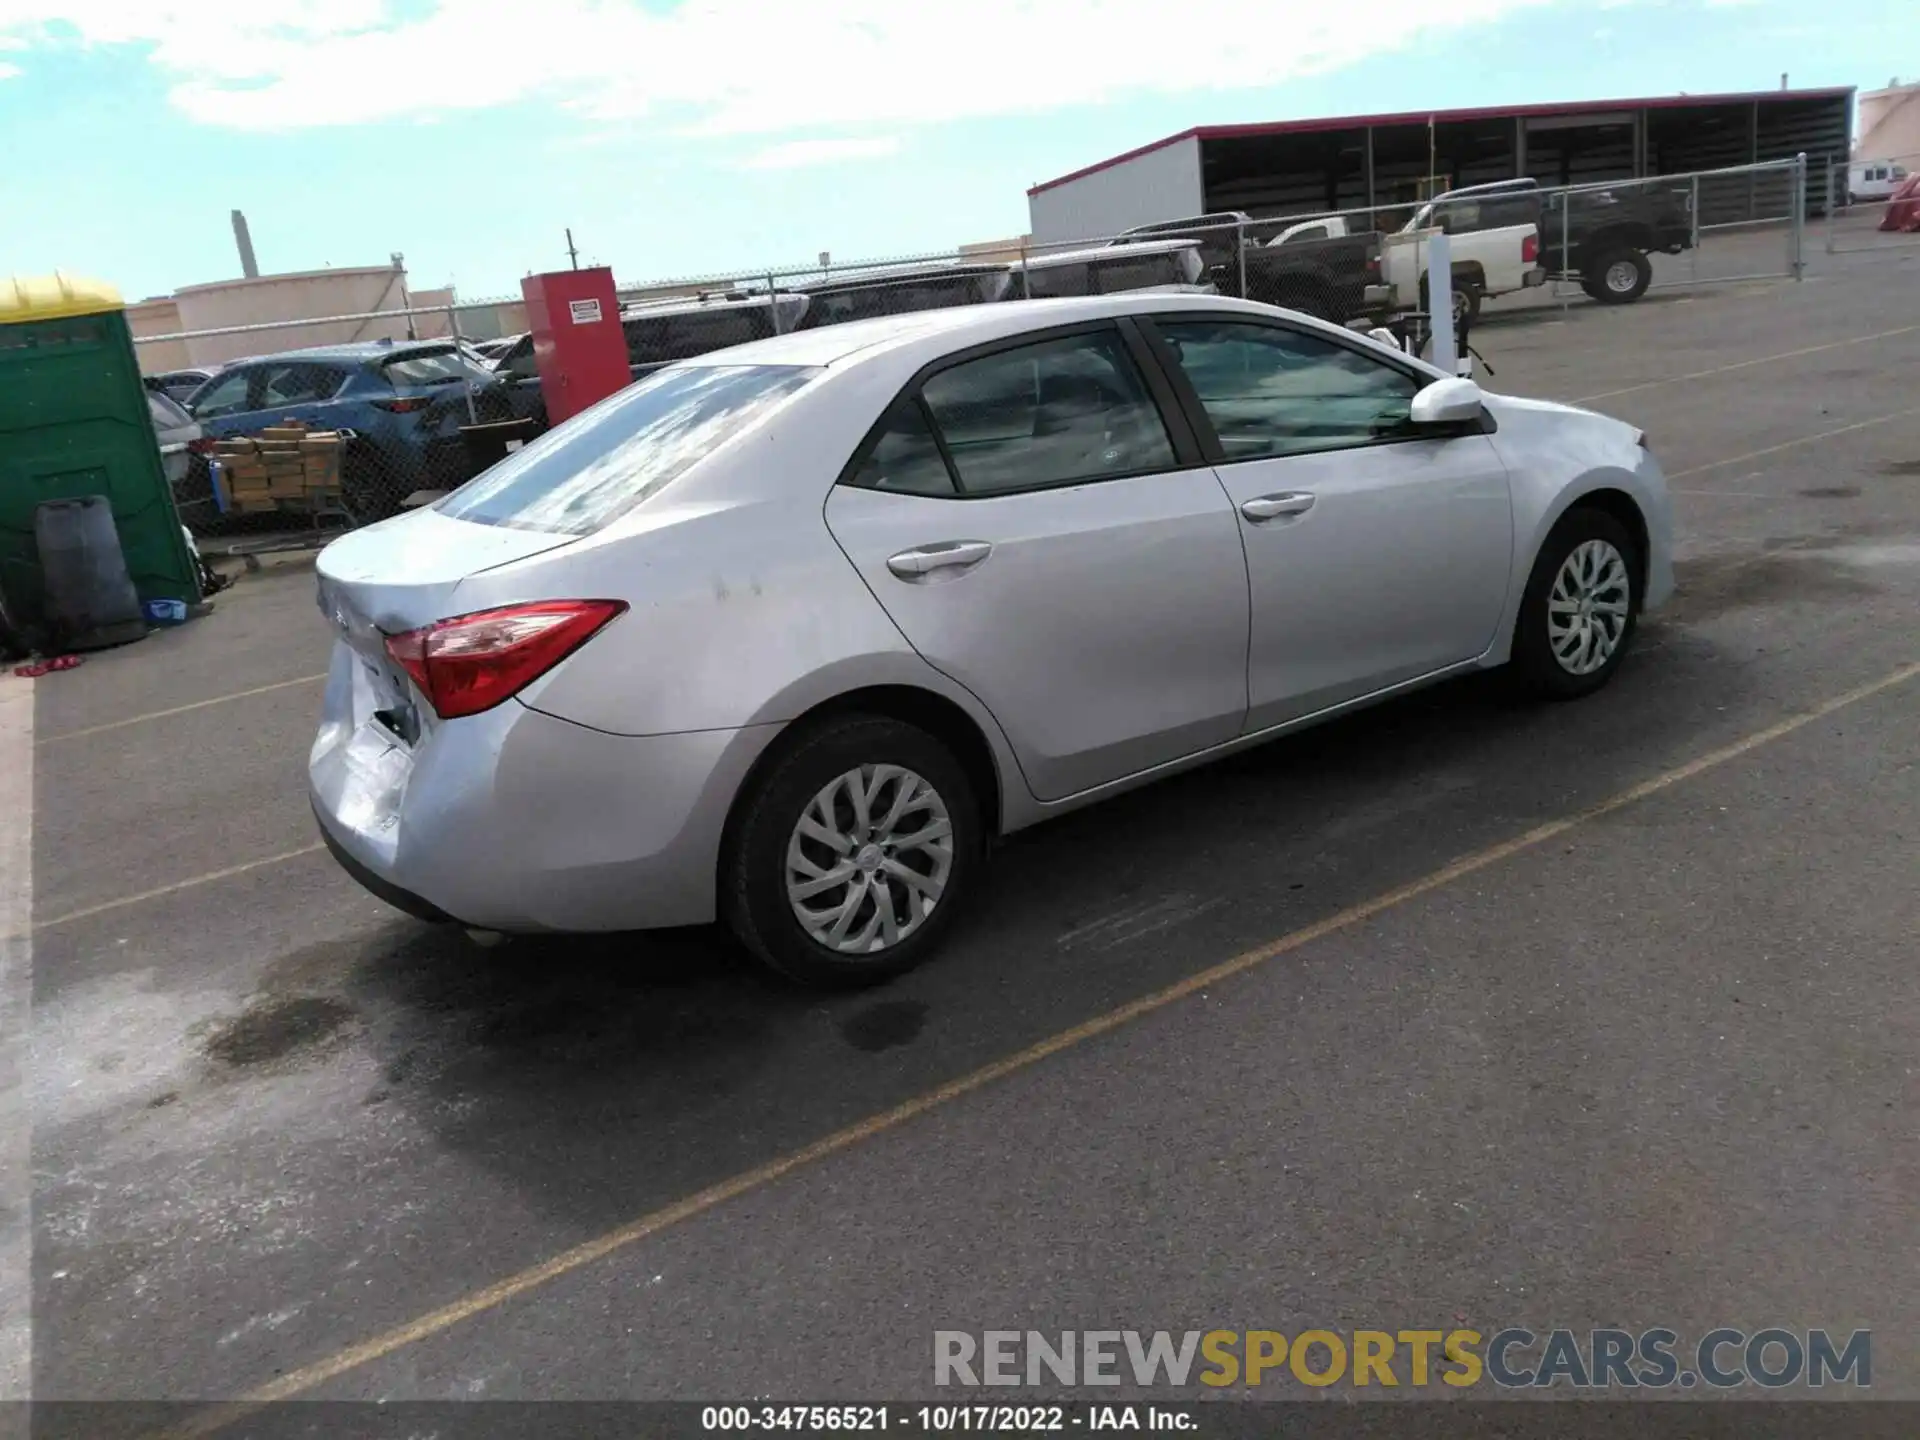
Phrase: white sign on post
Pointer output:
(585, 312)
(1440, 302)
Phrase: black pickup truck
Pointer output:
(1595, 235)
(1313, 266)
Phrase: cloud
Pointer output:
(9, 72)
(797, 153)
(717, 67)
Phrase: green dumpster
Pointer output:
(74, 421)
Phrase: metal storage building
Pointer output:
(1296, 167)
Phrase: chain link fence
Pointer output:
(302, 439)
(1871, 204)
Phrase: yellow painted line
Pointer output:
(1791, 444)
(1878, 335)
(490, 1297)
(207, 879)
(179, 709)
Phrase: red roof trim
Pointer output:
(1420, 117)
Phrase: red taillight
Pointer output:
(403, 404)
(473, 662)
(1530, 248)
(202, 446)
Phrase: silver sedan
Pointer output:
(787, 634)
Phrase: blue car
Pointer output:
(404, 402)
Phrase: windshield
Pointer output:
(585, 474)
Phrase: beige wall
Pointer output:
(293, 297)
(988, 251)
(1890, 125)
(159, 316)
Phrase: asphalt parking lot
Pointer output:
(1483, 1032)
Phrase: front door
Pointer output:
(1024, 519)
(1376, 553)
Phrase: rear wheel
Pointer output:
(852, 853)
(1580, 608)
(1618, 277)
(1466, 301)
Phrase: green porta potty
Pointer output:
(74, 422)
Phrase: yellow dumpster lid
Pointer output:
(52, 297)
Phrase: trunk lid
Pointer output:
(402, 574)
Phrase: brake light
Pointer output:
(201, 446)
(1530, 248)
(403, 404)
(473, 662)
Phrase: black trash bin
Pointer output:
(489, 444)
(89, 599)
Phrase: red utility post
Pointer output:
(577, 340)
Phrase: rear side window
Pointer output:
(301, 383)
(659, 339)
(432, 367)
(905, 457)
(588, 472)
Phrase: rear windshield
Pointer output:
(433, 367)
(588, 472)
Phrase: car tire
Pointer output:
(807, 781)
(1466, 302)
(1589, 554)
(1619, 277)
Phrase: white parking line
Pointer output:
(187, 884)
(16, 1001)
(1801, 440)
(1749, 364)
(180, 709)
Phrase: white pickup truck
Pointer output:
(1485, 263)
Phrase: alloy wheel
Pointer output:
(869, 859)
(1588, 606)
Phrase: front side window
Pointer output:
(588, 472)
(518, 363)
(1058, 412)
(1272, 392)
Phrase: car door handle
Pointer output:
(1272, 507)
(949, 555)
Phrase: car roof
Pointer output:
(1111, 251)
(354, 352)
(956, 327)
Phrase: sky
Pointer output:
(715, 136)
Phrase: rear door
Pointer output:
(1376, 554)
(1043, 532)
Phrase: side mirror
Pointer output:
(1447, 402)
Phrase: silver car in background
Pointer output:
(785, 635)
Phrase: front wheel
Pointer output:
(1619, 277)
(1580, 608)
(852, 853)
